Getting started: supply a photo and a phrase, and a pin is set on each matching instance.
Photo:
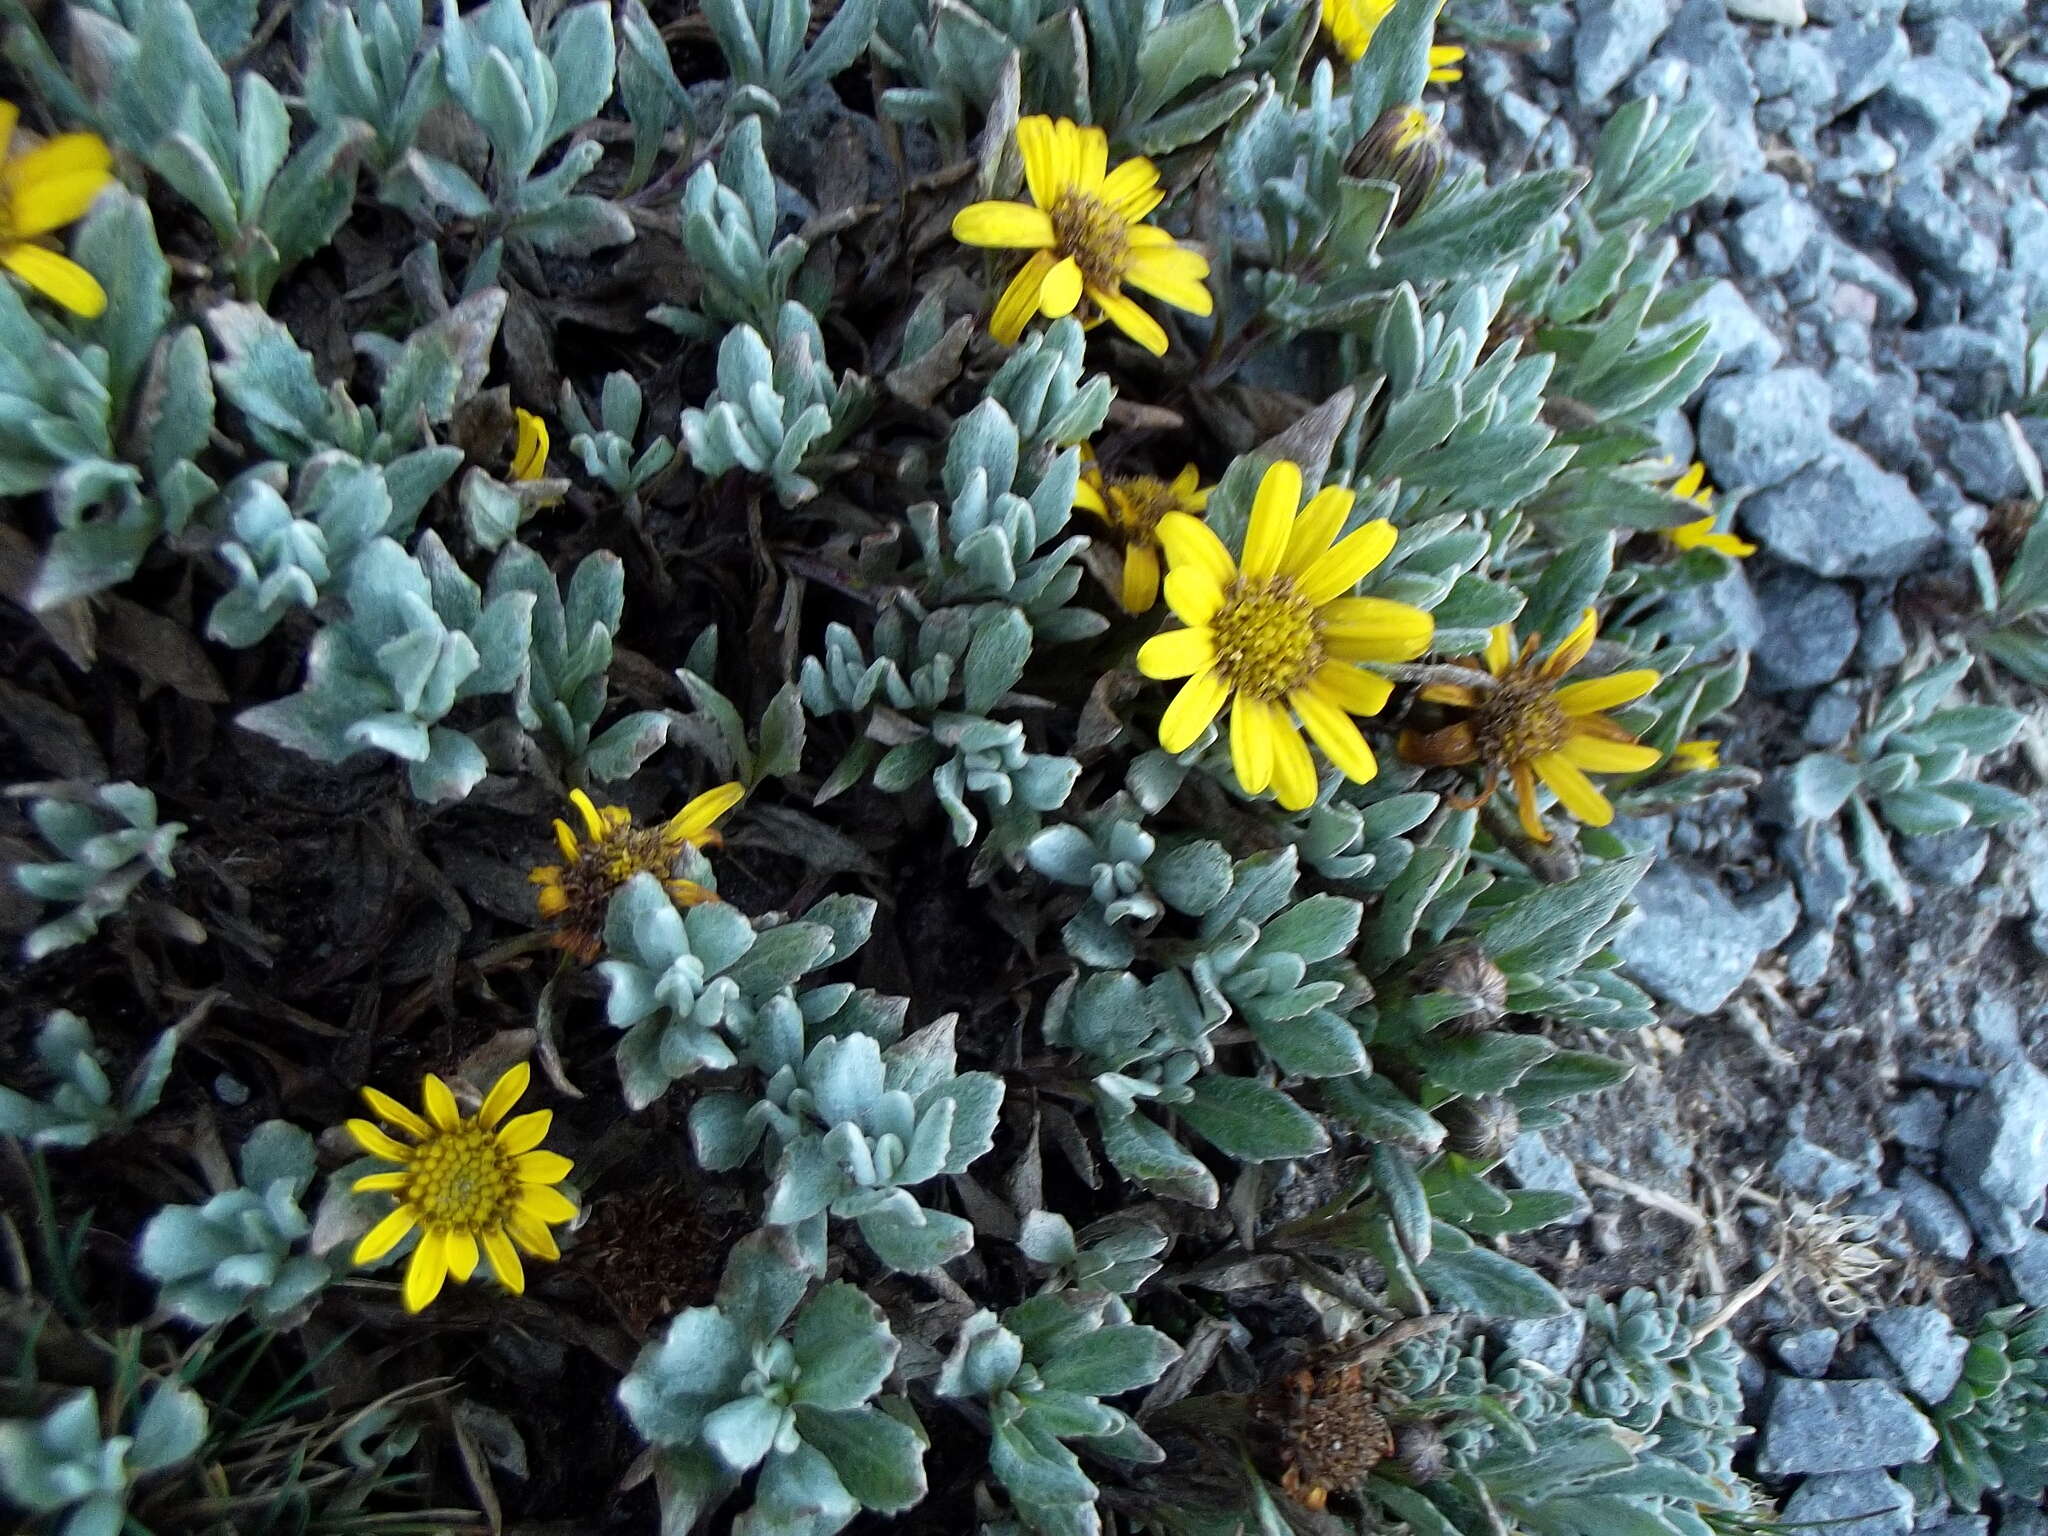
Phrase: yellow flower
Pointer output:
(1528, 726)
(464, 1181)
(1132, 506)
(530, 458)
(1699, 534)
(1083, 227)
(1698, 756)
(1276, 636)
(575, 894)
(43, 189)
(1350, 25)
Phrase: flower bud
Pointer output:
(1420, 1452)
(1407, 148)
(1480, 1129)
(1465, 973)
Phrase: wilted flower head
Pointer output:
(1529, 726)
(465, 1182)
(1406, 147)
(1350, 25)
(1277, 639)
(1132, 506)
(1331, 1434)
(43, 189)
(1700, 533)
(575, 894)
(1084, 229)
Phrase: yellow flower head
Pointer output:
(1700, 533)
(43, 189)
(1274, 634)
(466, 1183)
(1084, 229)
(1132, 506)
(1698, 756)
(1350, 25)
(575, 894)
(530, 457)
(1529, 726)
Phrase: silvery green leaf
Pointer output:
(1922, 812)
(1145, 1154)
(1317, 1043)
(1252, 1121)
(170, 1428)
(877, 1457)
(1820, 784)
(620, 751)
(782, 735)
(579, 46)
(1462, 1275)
(1198, 44)
(696, 1364)
(117, 243)
(741, 1432)
(843, 1347)
(453, 766)
(270, 379)
(797, 1495)
(914, 1247)
(579, 225)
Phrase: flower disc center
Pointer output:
(1136, 504)
(1269, 639)
(1095, 235)
(462, 1179)
(1520, 721)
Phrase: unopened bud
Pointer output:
(1420, 1452)
(1407, 148)
(1482, 1129)
(1465, 973)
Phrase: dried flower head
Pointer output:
(1084, 227)
(575, 894)
(1350, 25)
(1481, 1130)
(1831, 1255)
(1331, 1434)
(43, 189)
(471, 1185)
(1421, 1454)
(1701, 532)
(653, 1251)
(1529, 725)
(1405, 147)
(1131, 506)
(1277, 639)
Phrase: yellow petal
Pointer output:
(1020, 299)
(1091, 158)
(440, 1102)
(1088, 496)
(525, 1132)
(1141, 578)
(10, 114)
(1597, 755)
(1699, 755)
(1192, 544)
(542, 1167)
(1036, 147)
(55, 182)
(1126, 316)
(1193, 594)
(1348, 562)
(1334, 732)
(1177, 653)
(1003, 226)
(462, 1255)
(1251, 743)
(545, 1203)
(1571, 650)
(566, 841)
(1375, 629)
(377, 1144)
(381, 1183)
(505, 1261)
(530, 456)
(1525, 804)
(426, 1272)
(1598, 693)
(391, 1112)
(1458, 695)
(531, 1233)
(1316, 528)
(1157, 271)
(505, 1092)
(1688, 485)
(1191, 711)
(699, 816)
(1500, 649)
(1444, 59)
(1272, 519)
(1294, 771)
(1061, 290)
(593, 824)
(1185, 489)
(56, 277)
(385, 1236)
(1574, 791)
(1352, 689)
(1128, 188)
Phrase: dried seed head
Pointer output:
(1420, 1452)
(1481, 1129)
(1466, 973)
(1406, 147)
(1331, 1434)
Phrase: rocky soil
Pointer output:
(1849, 1099)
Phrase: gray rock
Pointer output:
(2028, 1267)
(1614, 37)
(1665, 79)
(1851, 1504)
(1987, 461)
(1961, 45)
(1935, 1223)
(1997, 1143)
(1865, 57)
(1772, 13)
(1744, 342)
(1796, 68)
(1882, 645)
(1840, 1426)
(1843, 516)
(1858, 154)
(1932, 110)
(1996, 1023)
(1723, 618)
(1521, 121)
(1957, 1525)
(1812, 1170)
(1834, 715)
(1934, 227)
(1757, 429)
(2026, 238)
(1769, 240)
(1536, 1164)
(2000, 1228)
(1821, 868)
(1917, 1121)
(1716, 49)
(1809, 1352)
(1926, 1348)
(1552, 1342)
(1954, 859)
(1691, 945)
(1809, 631)
(1896, 300)
(2016, 1519)
(1806, 957)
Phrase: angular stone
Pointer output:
(1934, 227)
(1812, 1170)
(1809, 631)
(1833, 1502)
(1917, 1120)
(1926, 1348)
(1769, 240)
(1613, 38)
(1841, 1426)
(1934, 1222)
(1809, 1352)
(1716, 49)
(1843, 516)
(2028, 1267)
(1757, 429)
(1536, 1164)
(1865, 58)
(1932, 110)
(1744, 343)
(1997, 1143)
(1691, 945)
(1987, 461)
